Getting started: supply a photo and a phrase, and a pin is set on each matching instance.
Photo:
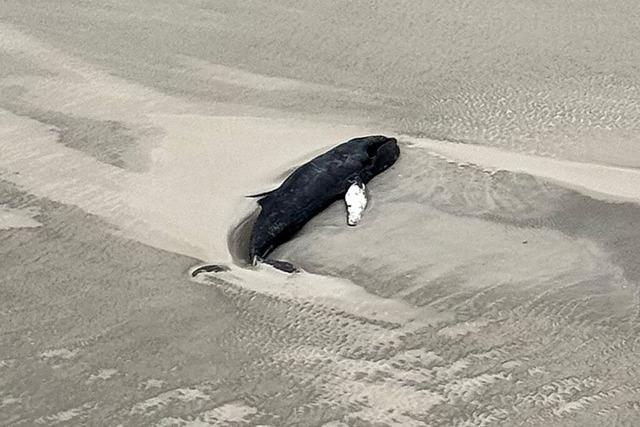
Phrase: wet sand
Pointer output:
(492, 280)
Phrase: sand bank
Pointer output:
(599, 181)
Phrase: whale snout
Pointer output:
(383, 151)
(375, 143)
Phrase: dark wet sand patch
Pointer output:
(108, 141)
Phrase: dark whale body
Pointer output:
(313, 187)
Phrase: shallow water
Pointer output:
(492, 279)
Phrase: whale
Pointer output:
(341, 172)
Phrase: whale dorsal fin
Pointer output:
(264, 197)
(266, 193)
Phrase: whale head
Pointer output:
(377, 152)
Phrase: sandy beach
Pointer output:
(493, 279)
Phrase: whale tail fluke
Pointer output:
(284, 266)
(209, 268)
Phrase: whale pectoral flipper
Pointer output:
(356, 201)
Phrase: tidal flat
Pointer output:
(492, 281)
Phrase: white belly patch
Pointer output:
(356, 200)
